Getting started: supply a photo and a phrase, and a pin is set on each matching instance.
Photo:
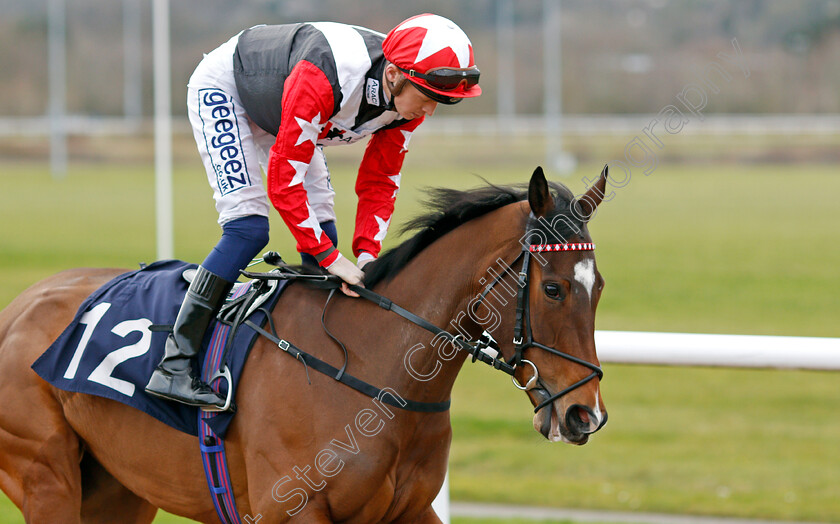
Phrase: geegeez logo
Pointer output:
(221, 134)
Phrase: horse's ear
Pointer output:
(590, 200)
(538, 194)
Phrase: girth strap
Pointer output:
(212, 446)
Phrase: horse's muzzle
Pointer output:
(575, 426)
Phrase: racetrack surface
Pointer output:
(502, 511)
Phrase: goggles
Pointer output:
(446, 78)
(437, 97)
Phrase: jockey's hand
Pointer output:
(349, 273)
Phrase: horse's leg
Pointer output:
(40, 464)
(105, 500)
(39, 451)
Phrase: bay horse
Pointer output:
(303, 448)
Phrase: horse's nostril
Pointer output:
(583, 416)
(579, 419)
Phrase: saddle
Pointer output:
(118, 334)
(244, 299)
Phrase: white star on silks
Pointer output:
(309, 130)
(407, 136)
(300, 171)
(396, 180)
(312, 223)
(383, 228)
(441, 33)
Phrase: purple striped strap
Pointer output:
(212, 447)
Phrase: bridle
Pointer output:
(523, 337)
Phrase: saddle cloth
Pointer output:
(108, 349)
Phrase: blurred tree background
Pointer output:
(618, 56)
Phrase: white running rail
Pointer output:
(741, 351)
(693, 349)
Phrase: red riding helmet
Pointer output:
(436, 56)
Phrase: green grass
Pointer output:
(760, 444)
(704, 248)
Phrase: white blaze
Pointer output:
(585, 274)
(597, 410)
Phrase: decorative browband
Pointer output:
(580, 246)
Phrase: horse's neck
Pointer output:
(438, 285)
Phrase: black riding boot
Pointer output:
(173, 379)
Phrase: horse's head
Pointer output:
(555, 353)
(550, 288)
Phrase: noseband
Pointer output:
(523, 337)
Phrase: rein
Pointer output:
(331, 282)
(485, 349)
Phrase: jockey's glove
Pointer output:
(348, 272)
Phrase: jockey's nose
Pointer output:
(429, 107)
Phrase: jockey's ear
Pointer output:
(394, 81)
(539, 197)
(392, 73)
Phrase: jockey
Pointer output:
(273, 97)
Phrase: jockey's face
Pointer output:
(409, 103)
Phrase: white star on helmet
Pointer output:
(440, 34)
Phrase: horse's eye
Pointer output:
(554, 291)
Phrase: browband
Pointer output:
(580, 246)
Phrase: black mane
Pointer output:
(450, 208)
